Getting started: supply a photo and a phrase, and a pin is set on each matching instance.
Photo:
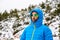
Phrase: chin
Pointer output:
(33, 21)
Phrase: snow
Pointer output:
(7, 30)
(8, 27)
(55, 38)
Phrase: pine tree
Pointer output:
(43, 5)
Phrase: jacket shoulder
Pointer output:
(46, 27)
(28, 27)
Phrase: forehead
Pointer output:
(34, 13)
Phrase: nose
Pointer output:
(33, 17)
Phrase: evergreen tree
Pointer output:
(5, 14)
(43, 5)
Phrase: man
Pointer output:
(36, 30)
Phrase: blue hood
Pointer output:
(40, 18)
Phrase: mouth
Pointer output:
(33, 19)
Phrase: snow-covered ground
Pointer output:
(7, 30)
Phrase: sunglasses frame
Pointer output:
(35, 15)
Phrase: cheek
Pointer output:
(36, 17)
(31, 17)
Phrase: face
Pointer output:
(34, 16)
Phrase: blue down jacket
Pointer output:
(37, 30)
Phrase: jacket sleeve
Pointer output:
(48, 34)
(23, 35)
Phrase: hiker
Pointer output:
(36, 29)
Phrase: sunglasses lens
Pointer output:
(35, 15)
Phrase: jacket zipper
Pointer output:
(33, 32)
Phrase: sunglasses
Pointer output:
(35, 15)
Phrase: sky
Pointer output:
(18, 4)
